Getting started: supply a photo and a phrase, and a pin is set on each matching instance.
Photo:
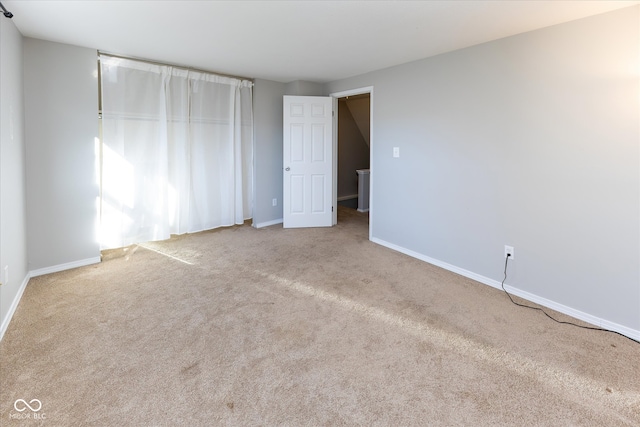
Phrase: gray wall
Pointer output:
(303, 88)
(267, 128)
(13, 227)
(267, 122)
(361, 112)
(61, 103)
(530, 141)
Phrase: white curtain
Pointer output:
(176, 151)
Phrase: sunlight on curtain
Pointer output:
(177, 151)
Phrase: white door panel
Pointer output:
(307, 161)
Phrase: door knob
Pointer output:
(288, 169)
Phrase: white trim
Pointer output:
(362, 210)
(336, 95)
(14, 306)
(343, 198)
(62, 267)
(586, 317)
(597, 321)
(268, 223)
(334, 160)
(352, 92)
(35, 273)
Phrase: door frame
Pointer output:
(336, 96)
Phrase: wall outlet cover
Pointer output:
(509, 250)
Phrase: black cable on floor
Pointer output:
(593, 328)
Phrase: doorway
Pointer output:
(352, 151)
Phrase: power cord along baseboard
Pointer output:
(593, 328)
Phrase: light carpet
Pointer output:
(294, 327)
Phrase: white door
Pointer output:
(307, 161)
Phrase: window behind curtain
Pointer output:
(176, 151)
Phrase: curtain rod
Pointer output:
(148, 61)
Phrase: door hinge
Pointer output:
(331, 208)
(333, 113)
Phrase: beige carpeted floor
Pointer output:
(297, 327)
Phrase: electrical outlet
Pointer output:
(274, 202)
(396, 151)
(509, 252)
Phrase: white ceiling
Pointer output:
(284, 41)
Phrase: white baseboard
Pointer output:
(362, 210)
(14, 306)
(268, 223)
(35, 273)
(586, 317)
(343, 198)
(62, 267)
